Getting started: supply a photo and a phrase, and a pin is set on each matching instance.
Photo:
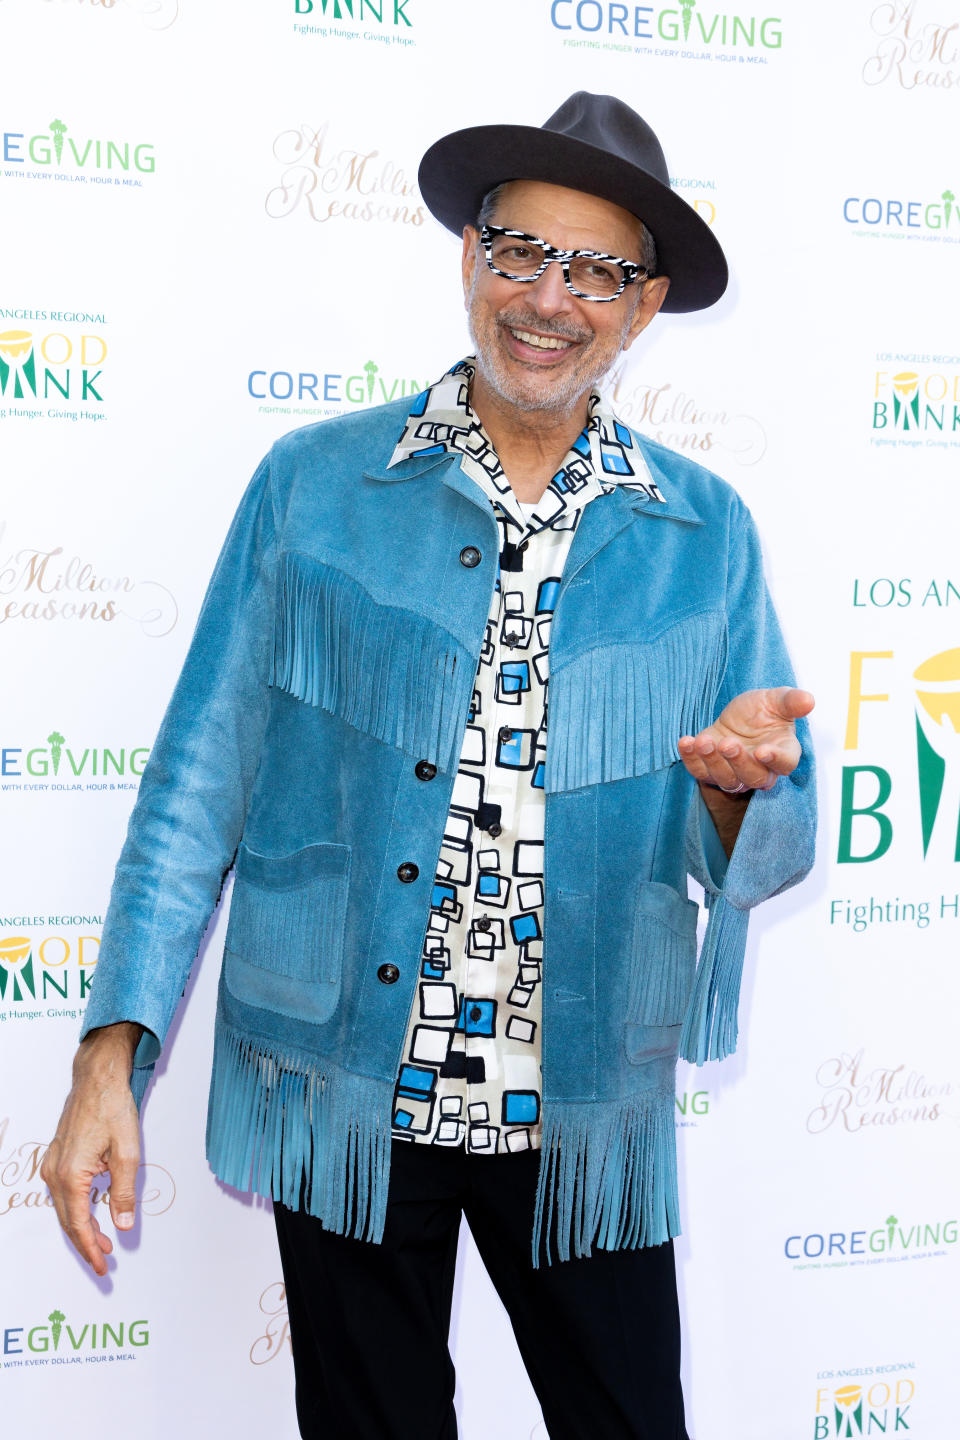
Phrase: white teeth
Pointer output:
(541, 342)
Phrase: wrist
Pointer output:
(109, 1047)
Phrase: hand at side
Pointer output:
(99, 1130)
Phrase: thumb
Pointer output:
(790, 704)
(124, 1160)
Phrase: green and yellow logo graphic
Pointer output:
(18, 976)
(873, 1407)
(52, 968)
(866, 828)
(55, 366)
(938, 748)
(917, 403)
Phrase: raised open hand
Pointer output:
(752, 741)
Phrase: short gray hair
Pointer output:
(488, 209)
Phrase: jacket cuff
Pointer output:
(774, 850)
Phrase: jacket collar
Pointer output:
(627, 501)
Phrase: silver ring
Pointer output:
(737, 789)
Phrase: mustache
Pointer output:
(524, 320)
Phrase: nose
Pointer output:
(549, 292)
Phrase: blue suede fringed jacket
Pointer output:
(337, 646)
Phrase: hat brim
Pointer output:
(461, 168)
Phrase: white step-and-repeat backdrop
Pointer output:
(211, 233)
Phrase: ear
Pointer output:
(471, 239)
(651, 298)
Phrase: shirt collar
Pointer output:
(603, 455)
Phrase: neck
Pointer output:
(530, 444)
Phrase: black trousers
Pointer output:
(369, 1324)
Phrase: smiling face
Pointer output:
(538, 347)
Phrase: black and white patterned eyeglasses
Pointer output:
(588, 274)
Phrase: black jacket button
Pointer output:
(424, 770)
(470, 556)
(408, 871)
(388, 974)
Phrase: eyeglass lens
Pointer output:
(521, 260)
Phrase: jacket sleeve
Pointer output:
(775, 846)
(194, 793)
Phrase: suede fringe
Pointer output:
(389, 672)
(297, 931)
(608, 1176)
(710, 1028)
(619, 710)
(276, 1125)
(663, 964)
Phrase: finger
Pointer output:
(83, 1231)
(124, 1160)
(104, 1241)
(789, 703)
(748, 766)
(781, 759)
(705, 760)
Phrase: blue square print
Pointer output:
(520, 1107)
(524, 927)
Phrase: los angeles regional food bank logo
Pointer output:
(916, 405)
(928, 695)
(871, 1406)
(49, 968)
(55, 372)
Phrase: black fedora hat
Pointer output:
(594, 143)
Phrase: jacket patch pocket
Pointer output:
(284, 947)
(664, 956)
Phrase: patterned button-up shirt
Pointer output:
(470, 1067)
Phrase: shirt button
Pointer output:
(504, 735)
(470, 556)
(483, 923)
(494, 829)
(475, 1012)
(424, 770)
(387, 974)
(407, 871)
(513, 639)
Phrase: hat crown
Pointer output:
(607, 123)
(593, 143)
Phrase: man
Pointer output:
(425, 883)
